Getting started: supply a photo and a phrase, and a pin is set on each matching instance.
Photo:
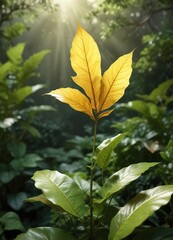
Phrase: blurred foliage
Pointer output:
(17, 83)
(135, 16)
(147, 120)
(149, 132)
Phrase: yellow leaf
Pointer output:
(115, 81)
(105, 113)
(86, 62)
(74, 98)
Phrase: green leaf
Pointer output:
(104, 150)
(61, 190)
(15, 30)
(15, 53)
(17, 149)
(137, 210)
(4, 70)
(20, 94)
(43, 199)
(16, 200)
(46, 233)
(168, 152)
(34, 131)
(30, 160)
(29, 66)
(122, 178)
(159, 93)
(7, 176)
(12, 221)
(17, 165)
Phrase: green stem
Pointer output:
(91, 181)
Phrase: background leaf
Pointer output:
(12, 221)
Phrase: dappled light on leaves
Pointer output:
(101, 92)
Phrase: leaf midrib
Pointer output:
(63, 195)
(134, 212)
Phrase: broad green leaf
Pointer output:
(12, 221)
(149, 110)
(86, 62)
(74, 98)
(7, 176)
(137, 210)
(122, 178)
(17, 149)
(46, 233)
(61, 190)
(15, 53)
(115, 81)
(30, 160)
(104, 150)
(43, 199)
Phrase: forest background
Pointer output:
(37, 132)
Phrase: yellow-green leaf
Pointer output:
(115, 81)
(74, 98)
(86, 61)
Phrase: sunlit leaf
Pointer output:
(104, 150)
(101, 92)
(74, 98)
(137, 210)
(15, 53)
(86, 61)
(61, 190)
(115, 81)
(47, 233)
(20, 94)
(122, 178)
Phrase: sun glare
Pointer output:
(63, 3)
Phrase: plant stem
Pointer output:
(91, 180)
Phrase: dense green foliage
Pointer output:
(31, 141)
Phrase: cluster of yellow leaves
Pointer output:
(101, 91)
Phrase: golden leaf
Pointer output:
(105, 113)
(74, 98)
(115, 81)
(101, 93)
(86, 61)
